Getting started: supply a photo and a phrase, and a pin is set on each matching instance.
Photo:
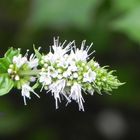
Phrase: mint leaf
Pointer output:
(6, 84)
(11, 53)
(4, 64)
(7, 59)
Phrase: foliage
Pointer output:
(112, 25)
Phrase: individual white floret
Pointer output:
(90, 76)
(17, 78)
(33, 62)
(25, 92)
(57, 89)
(19, 60)
(75, 94)
(45, 79)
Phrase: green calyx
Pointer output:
(105, 81)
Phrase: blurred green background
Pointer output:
(114, 28)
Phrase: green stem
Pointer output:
(30, 73)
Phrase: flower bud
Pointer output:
(10, 71)
(17, 78)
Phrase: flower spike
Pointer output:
(66, 72)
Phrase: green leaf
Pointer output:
(62, 12)
(124, 5)
(4, 64)
(6, 84)
(129, 24)
(11, 53)
(7, 59)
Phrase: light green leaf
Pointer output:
(7, 59)
(11, 53)
(4, 64)
(124, 5)
(6, 84)
(62, 12)
(129, 24)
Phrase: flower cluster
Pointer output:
(19, 65)
(65, 72)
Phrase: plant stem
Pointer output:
(30, 73)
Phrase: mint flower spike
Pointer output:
(67, 71)
(26, 89)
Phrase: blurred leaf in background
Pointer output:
(124, 6)
(129, 22)
(62, 13)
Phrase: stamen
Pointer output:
(88, 48)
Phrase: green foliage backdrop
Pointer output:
(114, 28)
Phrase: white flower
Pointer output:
(49, 57)
(91, 91)
(62, 63)
(57, 52)
(72, 67)
(45, 79)
(96, 64)
(60, 76)
(81, 55)
(71, 56)
(57, 89)
(77, 95)
(75, 75)
(19, 60)
(90, 76)
(52, 72)
(26, 89)
(33, 62)
(59, 49)
(17, 78)
(10, 71)
(32, 79)
(67, 73)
